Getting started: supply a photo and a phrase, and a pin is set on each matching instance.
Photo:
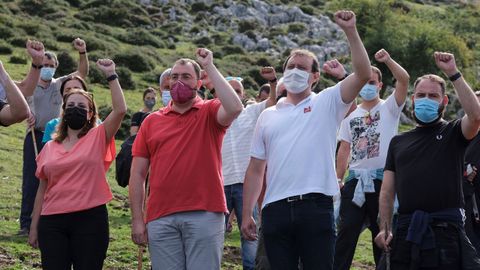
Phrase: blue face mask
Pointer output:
(426, 110)
(368, 92)
(46, 73)
(166, 97)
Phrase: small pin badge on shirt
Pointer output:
(307, 109)
(439, 137)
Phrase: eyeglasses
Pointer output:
(230, 78)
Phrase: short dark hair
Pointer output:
(432, 78)
(303, 52)
(52, 56)
(264, 88)
(147, 91)
(196, 66)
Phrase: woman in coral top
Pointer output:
(70, 219)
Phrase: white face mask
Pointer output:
(295, 80)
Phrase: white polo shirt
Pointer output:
(237, 143)
(298, 142)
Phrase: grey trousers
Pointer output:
(187, 240)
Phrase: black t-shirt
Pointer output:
(2, 104)
(136, 119)
(428, 166)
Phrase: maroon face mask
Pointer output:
(181, 93)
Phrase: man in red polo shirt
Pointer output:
(180, 147)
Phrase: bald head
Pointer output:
(237, 87)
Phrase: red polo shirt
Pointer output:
(184, 151)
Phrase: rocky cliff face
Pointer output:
(259, 26)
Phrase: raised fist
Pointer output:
(268, 73)
(80, 45)
(345, 19)
(335, 69)
(446, 63)
(382, 56)
(107, 66)
(36, 50)
(204, 57)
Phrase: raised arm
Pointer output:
(17, 109)
(466, 97)
(136, 193)
(386, 200)
(399, 73)
(231, 105)
(269, 74)
(36, 51)
(83, 66)
(351, 86)
(119, 108)
(252, 187)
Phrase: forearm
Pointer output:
(467, 98)
(386, 200)
(136, 191)
(398, 72)
(360, 60)
(37, 207)
(272, 96)
(225, 93)
(18, 106)
(27, 86)
(251, 189)
(342, 159)
(119, 106)
(83, 65)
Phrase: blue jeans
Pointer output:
(29, 181)
(300, 229)
(234, 197)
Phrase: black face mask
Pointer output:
(75, 117)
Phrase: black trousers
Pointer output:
(79, 239)
(29, 181)
(352, 220)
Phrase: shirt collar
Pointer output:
(282, 103)
(197, 104)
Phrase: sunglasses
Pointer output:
(230, 78)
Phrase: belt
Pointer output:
(303, 197)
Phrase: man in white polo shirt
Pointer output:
(297, 138)
(236, 155)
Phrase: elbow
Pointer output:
(20, 114)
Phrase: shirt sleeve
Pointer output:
(390, 162)
(49, 129)
(258, 149)
(136, 118)
(213, 107)
(344, 132)
(140, 148)
(334, 100)
(2, 105)
(393, 108)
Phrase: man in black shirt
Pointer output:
(471, 190)
(424, 168)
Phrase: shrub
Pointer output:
(17, 41)
(122, 13)
(296, 28)
(134, 60)
(125, 78)
(203, 41)
(6, 32)
(14, 59)
(40, 7)
(245, 25)
(199, 6)
(66, 65)
(307, 9)
(5, 48)
(232, 49)
(141, 37)
(124, 130)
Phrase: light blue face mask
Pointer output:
(46, 73)
(166, 97)
(426, 110)
(368, 92)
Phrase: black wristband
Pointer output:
(344, 77)
(112, 77)
(37, 67)
(82, 52)
(273, 81)
(455, 76)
